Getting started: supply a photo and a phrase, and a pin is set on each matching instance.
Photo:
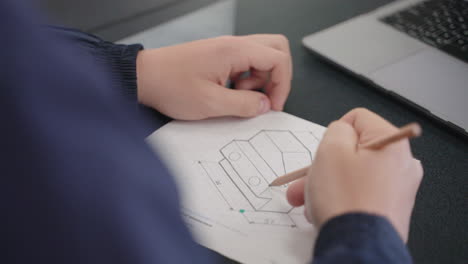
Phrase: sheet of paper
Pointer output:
(223, 167)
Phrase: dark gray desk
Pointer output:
(322, 93)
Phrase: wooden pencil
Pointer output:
(409, 131)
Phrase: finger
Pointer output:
(234, 76)
(276, 41)
(340, 136)
(256, 80)
(419, 171)
(261, 58)
(295, 193)
(416, 172)
(229, 102)
(308, 216)
(368, 125)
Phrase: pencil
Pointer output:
(409, 131)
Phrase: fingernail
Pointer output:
(264, 106)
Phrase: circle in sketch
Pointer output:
(234, 156)
(254, 181)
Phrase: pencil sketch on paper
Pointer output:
(248, 166)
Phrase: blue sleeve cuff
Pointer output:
(119, 60)
(360, 238)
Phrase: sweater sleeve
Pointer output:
(79, 185)
(360, 238)
(118, 59)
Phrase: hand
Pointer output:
(188, 81)
(347, 178)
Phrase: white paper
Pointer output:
(222, 168)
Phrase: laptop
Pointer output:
(416, 50)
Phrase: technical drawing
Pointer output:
(249, 166)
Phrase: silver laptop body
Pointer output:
(398, 62)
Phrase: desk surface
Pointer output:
(322, 93)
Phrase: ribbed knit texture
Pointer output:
(118, 59)
(360, 238)
(121, 59)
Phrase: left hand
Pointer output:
(187, 81)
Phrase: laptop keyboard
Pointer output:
(440, 23)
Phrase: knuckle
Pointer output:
(360, 111)
(283, 39)
(330, 140)
(335, 124)
(228, 45)
(283, 58)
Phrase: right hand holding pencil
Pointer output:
(346, 178)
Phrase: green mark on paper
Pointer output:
(241, 211)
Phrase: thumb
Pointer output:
(242, 103)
